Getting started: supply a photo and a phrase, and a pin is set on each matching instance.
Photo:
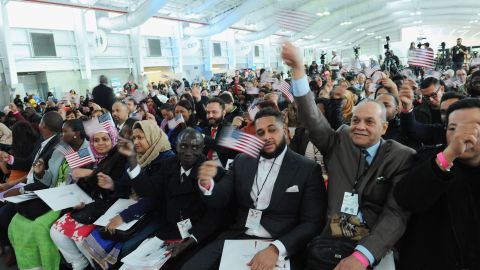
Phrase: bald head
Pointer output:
(190, 146)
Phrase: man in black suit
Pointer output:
(215, 112)
(180, 201)
(284, 188)
(50, 127)
(103, 94)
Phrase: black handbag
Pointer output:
(32, 209)
(324, 253)
(122, 236)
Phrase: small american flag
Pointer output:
(297, 21)
(284, 87)
(252, 111)
(82, 157)
(103, 122)
(177, 120)
(235, 139)
(106, 121)
(421, 58)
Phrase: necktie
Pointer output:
(183, 177)
(213, 132)
(366, 156)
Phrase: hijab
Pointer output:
(157, 140)
(113, 134)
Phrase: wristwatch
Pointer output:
(21, 190)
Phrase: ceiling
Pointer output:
(339, 23)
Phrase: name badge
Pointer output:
(253, 219)
(350, 203)
(184, 226)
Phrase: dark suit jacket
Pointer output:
(293, 218)
(386, 220)
(177, 201)
(45, 154)
(442, 232)
(103, 96)
(224, 154)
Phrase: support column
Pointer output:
(232, 51)
(137, 55)
(207, 57)
(250, 57)
(267, 54)
(177, 49)
(6, 51)
(81, 39)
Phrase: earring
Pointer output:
(74, 137)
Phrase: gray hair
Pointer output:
(383, 110)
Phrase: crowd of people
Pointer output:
(359, 171)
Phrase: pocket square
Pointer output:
(292, 189)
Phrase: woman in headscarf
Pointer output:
(29, 231)
(71, 229)
(149, 146)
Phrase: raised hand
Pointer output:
(206, 173)
(105, 181)
(406, 98)
(465, 136)
(126, 147)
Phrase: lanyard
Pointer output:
(264, 181)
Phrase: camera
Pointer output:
(356, 50)
(387, 46)
(322, 58)
(443, 45)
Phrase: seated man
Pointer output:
(362, 168)
(179, 199)
(284, 189)
(441, 192)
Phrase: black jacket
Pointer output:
(293, 218)
(114, 165)
(425, 115)
(178, 200)
(444, 229)
(103, 96)
(45, 154)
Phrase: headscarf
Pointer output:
(157, 140)
(113, 134)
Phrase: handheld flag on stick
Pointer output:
(177, 120)
(284, 87)
(235, 139)
(82, 157)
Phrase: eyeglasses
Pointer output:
(432, 95)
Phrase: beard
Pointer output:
(214, 121)
(277, 151)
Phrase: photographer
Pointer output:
(458, 54)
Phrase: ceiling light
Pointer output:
(418, 22)
(370, 34)
(309, 36)
(346, 23)
(473, 21)
(325, 13)
(378, 37)
(467, 26)
(338, 42)
(326, 39)
(360, 29)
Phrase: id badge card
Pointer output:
(253, 219)
(184, 226)
(350, 203)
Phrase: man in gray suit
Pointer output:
(363, 169)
